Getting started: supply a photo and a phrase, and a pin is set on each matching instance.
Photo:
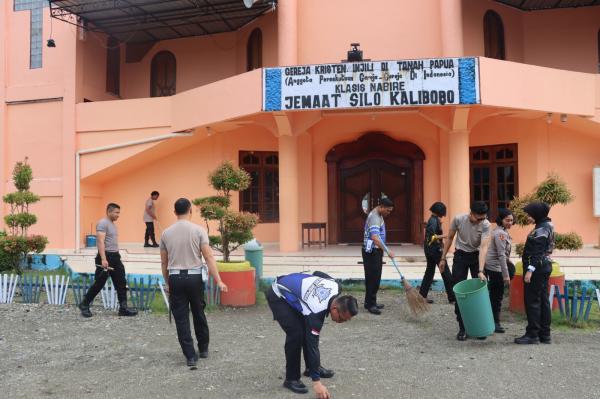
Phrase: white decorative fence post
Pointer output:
(162, 290)
(109, 297)
(56, 289)
(8, 285)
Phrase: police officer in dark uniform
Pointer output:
(434, 239)
(300, 302)
(538, 266)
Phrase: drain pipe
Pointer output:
(78, 154)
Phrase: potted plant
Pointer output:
(235, 229)
(552, 191)
(16, 243)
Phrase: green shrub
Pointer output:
(570, 241)
(16, 245)
(234, 228)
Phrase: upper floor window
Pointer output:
(113, 66)
(163, 74)
(254, 50)
(493, 35)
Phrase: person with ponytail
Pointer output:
(497, 269)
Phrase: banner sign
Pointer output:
(411, 83)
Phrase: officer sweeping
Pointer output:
(182, 247)
(372, 252)
(108, 263)
(300, 302)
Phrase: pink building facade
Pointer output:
(118, 108)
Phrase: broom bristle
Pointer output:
(417, 304)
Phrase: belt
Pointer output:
(185, 271)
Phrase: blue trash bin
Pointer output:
(90, 241)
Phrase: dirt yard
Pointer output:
(48, 351)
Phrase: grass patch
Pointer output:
(593, 323)
(33, 273)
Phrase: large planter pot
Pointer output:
(239, 278)
(517, 287)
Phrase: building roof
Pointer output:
(531, 5)
(132, 21)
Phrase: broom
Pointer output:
(417, 304)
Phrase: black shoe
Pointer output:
(379, 305)
(429, 301)
(546, 340)
(85, 309)
(193, 363)
(525, 340)
(295, 386)
(499, 329)
(146, 245)
(374, 310)
(462, 335)
(482, 338)
(452, 301)
(125, 311)
(155, 245)
(323, 372)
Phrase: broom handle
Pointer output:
(393, 261)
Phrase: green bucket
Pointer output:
(473, 300)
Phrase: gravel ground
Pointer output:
(48, 351)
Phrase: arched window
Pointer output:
(254, 50)
(163, 74)
(493, 35)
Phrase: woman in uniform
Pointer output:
(497, 263)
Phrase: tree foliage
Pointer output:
(235, 228)
(15, 245)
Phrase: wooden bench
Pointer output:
(320, 227)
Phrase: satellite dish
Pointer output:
(250, 3)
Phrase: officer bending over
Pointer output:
(300, 302)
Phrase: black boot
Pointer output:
(84, 306)
(125, 311)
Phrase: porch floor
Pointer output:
(340, 261)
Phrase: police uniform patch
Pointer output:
(321, 292)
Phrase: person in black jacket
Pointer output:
(538, 266)
(434, 240)
(300, 302)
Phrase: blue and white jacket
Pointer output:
(311, 296)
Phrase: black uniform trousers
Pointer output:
(463, 263)
(432, 263)
(496, 288)
(186, 291)
(149, 233)
(117, 276)
(372, 264)
(292, 322)
(537, 305)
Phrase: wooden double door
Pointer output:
(362, 185)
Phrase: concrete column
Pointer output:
(458, 173)
(451, 28)
(289, 222)
(287, 32)
(4, 42)
(287, 54)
